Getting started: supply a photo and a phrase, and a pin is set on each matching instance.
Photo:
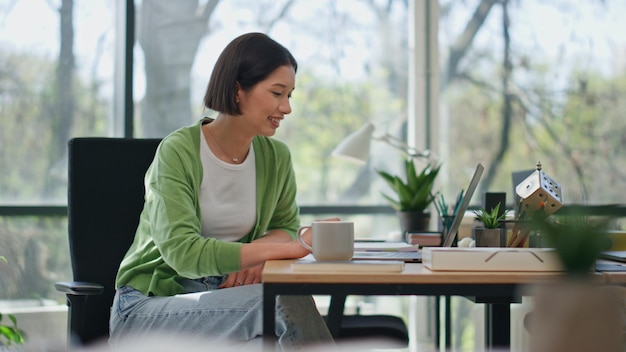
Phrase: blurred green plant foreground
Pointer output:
(577, 238)
(9, 334)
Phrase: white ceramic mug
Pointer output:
(332, 240)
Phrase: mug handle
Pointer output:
(299, 233)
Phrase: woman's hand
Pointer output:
(298, 249)
(244, 277)
(275, 245)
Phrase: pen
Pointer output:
(440, 204)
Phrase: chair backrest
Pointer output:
(105, 198)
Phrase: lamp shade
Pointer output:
(356, 146)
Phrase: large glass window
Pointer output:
(61, 79)
(55, 83)
(528, 81)
(352, 58)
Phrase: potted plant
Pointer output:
(413, 194)
(10, 335)
(575, 311)
(578, 240)
(492, 233)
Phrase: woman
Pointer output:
(220, 201)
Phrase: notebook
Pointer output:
(384, 250)
(618, 256)
(415, 256)
(366, 266)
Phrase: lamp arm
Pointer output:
(403, 147)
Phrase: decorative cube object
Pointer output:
(539, 191)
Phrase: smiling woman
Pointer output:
(220, 201)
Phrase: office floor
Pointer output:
(467, 321)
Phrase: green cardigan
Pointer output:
(168, 245)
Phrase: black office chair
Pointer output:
(105, 198)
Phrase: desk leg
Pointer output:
(269, 318)
(448, 323)
(498, 325)
(335, 314)
(437, 319)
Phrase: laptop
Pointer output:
(415, 256)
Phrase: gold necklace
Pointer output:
(235, 160)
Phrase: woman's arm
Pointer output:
(277, 244)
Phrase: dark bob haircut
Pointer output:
(247, 60)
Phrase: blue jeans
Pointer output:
(226, 316)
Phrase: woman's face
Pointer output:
(266, 104)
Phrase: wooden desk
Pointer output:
(496, 289)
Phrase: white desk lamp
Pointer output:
(356, 146)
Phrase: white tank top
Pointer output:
(227, 195)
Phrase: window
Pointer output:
(528, 81)
(352, 61)
(56, 82)
(532, 81)
(63, 78)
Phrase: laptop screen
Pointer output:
(458, 217)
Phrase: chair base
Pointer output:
(385, 331)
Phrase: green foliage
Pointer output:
(578, 240)
(491, 219)
(567, 128)
(413, 191)
(9, 334)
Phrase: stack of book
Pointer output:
(424, 239)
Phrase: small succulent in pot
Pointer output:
(491, 219)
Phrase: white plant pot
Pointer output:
(571, 316)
